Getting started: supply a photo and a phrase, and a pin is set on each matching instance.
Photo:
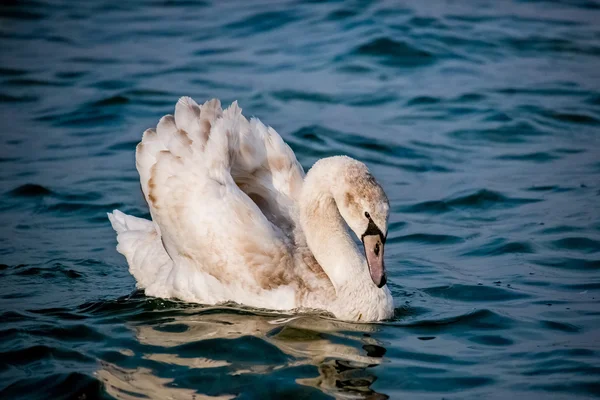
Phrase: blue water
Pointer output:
(481, 119)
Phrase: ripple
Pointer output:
(537, 157)
(570, 388)
(549, 188)
(500, 247)
(577, 118)
(262, 22)
(30, 190)
(215, 51)
(491, 340)
(124, 146)
(438, 384)
(426, 22)
(82, 118)
(558, 90)
(423, 100)
(20, 12)
(7, 98)
(12, 317)
(470, 98)
(560, 326)
(582, 244)
(246, 349)
(395, 53)
(583, 286)
(427, 238)
(532, 44)
(131, 304)
(477, 320)
(69, 75)
(25, 82)
(290, 95)
(317, 133)
(60, 313)
(429, 207)
(54, 271)
(488, 199)
(482, 199)
(84, 209)
(593, 100)
(341, 14)
(74, 385)
(569, 263)
(94, 60)
(71, 333)
(353, 69)
(428, 358)
(32, 354)
(515, 132)
(117, 100)
(475, 293)
(12, 71)
(150, 97)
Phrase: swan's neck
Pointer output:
(326, 232)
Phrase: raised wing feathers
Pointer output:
(221, 191)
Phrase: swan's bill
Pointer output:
(374, 253)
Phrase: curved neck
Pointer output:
(326, 232)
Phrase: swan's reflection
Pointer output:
(219, 353)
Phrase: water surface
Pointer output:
(481, 121)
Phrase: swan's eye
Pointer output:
(376, 250)
(367, 214)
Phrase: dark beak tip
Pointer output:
(382, 282)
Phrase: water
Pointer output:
(481, 122)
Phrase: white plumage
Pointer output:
(234, 218)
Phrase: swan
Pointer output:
(234, 218)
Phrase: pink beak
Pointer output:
(374, 254)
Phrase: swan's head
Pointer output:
(365, 208)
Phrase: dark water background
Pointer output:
(481, 119)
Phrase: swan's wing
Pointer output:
(189, 128)
(267, 170)
(261, 163)
(205, 220)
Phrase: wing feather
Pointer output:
(205, 220)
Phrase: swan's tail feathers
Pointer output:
(122, 222)
(142, 247)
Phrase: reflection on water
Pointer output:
(183, 354)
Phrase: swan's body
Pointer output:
(234, 218)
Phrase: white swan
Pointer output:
(234, 218)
